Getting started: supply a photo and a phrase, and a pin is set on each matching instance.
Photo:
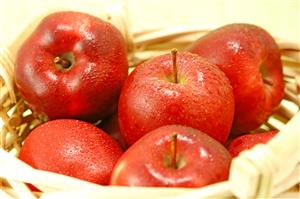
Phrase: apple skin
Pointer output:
(73, 148)
(246, 54)
(201, 99)
(248, 141)
(111, 126)
(89, 89)
(203, 160)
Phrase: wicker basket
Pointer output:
(270, 170)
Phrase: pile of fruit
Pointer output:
(175, 121)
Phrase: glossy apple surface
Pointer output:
(248, 141)
(73, 148)
(250, 58)
(200, 160)
(72, 66)
(202, 98)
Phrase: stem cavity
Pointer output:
(64, 61)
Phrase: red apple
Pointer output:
(250, 58)
(173, 156)
(248, 141)
(170, 89)
(72, 66)
(73, 148)
(111, 126)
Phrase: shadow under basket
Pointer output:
(270, 170)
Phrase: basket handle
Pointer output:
(254, 173)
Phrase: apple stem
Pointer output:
(267, 81)
(174, 151)
(62, 62)
(174, 60)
